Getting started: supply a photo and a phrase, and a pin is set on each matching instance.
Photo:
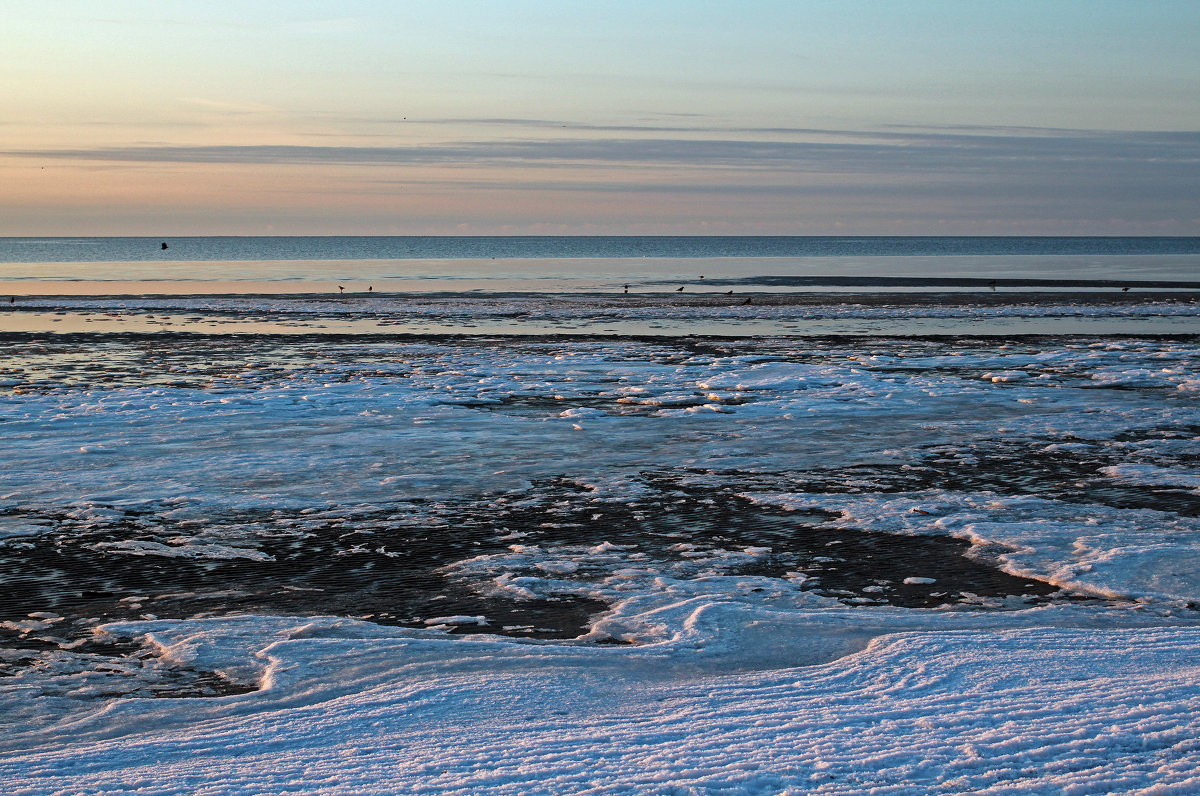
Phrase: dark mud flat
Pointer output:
(369, 566)
(841, 562)
(387, 565)
(752, 305)
(348, 566)
(1012, 468)
(127, 669)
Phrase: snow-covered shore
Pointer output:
(242, 520)
(1080, 711)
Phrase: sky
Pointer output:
(805, 117)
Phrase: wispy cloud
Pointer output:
(874, 152)
(231, 108)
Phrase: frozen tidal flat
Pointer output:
(248, 563)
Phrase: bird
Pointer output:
(340, 288)
(627, 288)
(165, 246)
(729, 293)
(992, 284)
(701, 276)
(370, 288)
(679, 289)
(748, 300)
(1125, 290)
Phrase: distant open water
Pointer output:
(24, 250)
(588, 265)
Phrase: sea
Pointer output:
(599, 514)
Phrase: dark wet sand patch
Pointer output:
(108, 667)
(846, 563)
(1017, 467)
(387, 565)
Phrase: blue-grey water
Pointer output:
(587, 265)
(126, 249)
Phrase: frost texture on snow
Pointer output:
(359, 710)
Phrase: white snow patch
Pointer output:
(216, 552)
(457, 619)
(820, 707)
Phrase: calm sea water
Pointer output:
(272, 265)
(628, 285)
(193, 249)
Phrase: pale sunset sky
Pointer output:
(559, 117)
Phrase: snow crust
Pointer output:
(348, 708)
(1070, 462)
